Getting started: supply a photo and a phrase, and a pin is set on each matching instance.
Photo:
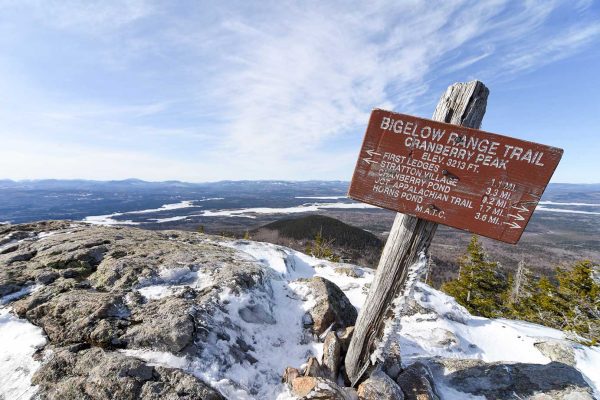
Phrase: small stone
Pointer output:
(331, 356)
(349, 271)
(303, 385)
(332, 307)
(289, 375)
(314, 369)
(256, 314)
(557, 350)
(308, 387)
(379, 386)
(345, 335)
(47, 277)
(416, 383)
(392, 364)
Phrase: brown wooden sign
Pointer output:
(465, 178)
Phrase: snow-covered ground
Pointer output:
(19, 340)
(279, 340)
(311, 207)
(184, 206)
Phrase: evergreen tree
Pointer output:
(548, 307)
(573, 304)
(321, 248)
(583, 295)
(480, 286)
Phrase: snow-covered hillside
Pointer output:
(436, 326)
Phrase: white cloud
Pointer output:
(89, 17)
(248, 90)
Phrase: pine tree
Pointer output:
(480, 286)
(583, 294)
(321, 248)
(548, 307)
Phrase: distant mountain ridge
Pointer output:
(330, 228)
(349, 242)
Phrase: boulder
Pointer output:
(514, 380)
(416, 383)
(332, 308)
(307, 387)
(557, 350)
(90, 301)
(379, 386)
(392, 363)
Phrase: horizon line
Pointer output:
(219, 181)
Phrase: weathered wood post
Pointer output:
(462, 104)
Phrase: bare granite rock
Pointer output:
(345, 336)
(379, 386)
(332, 307)
(73, 373)
(557, 350)
(512, 380)
(332, 349)
(417, 383)
(289, 375)
(308, 387)
(87, 292)
(314, 369)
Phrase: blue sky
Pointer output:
(211, 90)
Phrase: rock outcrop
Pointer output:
(77, 372)
(116, 302)
(417, 383)
(512, 380)
(379, 386)
(82, 280)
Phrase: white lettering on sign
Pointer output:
(458, 176)
(421, 180)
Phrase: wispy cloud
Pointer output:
(250, 90)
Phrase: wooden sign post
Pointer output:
(439, 171)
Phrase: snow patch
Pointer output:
(169, 219)
(562, 210)
(249, 212)
(569, 204)
(19, 294)
(158, 358)
(321, 197)
(19, 340)
(108, 219)
(171, 281)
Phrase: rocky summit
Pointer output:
(107, 312)
(110, 300)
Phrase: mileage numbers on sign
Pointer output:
(469, 179)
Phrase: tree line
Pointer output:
(569, 300)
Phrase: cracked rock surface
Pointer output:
(87, 294)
